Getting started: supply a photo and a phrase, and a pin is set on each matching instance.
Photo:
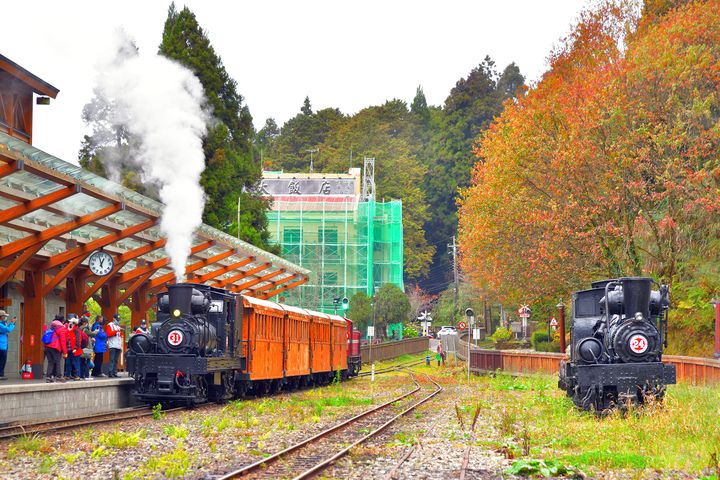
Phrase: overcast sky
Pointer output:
(342, 54)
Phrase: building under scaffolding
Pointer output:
(350, 242)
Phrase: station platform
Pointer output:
(35, 400)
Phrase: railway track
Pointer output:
(11, 431)
(309, 457)
(393, 368)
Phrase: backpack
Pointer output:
(48, 336)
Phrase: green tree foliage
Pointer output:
(391, 305)
(306, 131)
(231, 169)
(468, 111)
(384, 133)
(360, 311)
(468, 296)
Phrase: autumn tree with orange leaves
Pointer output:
(609, 166)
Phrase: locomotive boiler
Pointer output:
(210, 344)
(618, 331)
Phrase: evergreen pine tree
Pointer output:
(231, 171)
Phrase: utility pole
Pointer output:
(453, 252)
(311, 151)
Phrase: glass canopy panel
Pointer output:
(10, 234)
(90, 232)
(30, 183)
(43, 218)
(161, 272)
(56, 246)
(126, 218)
(80, 204)
(6, 203)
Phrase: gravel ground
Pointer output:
(195, 444)
(439, 445)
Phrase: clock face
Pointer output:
(100, 263)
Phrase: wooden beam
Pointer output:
(31, 205)
(132, 288)
(157, 264)
(282, 289)
(241, 275)
(246, 285)
(169, 277)
(56, 260)
(8, 168)
(16, 264)
(272, 285)
(225, 269)
(62, 274)
(55, 231)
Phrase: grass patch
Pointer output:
(175, 464)
(31, 443)
(532, 416)
(120, 440)
(177, 432)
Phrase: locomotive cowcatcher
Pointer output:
(210, 344)
(618, 330)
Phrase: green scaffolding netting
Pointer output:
(348, 246)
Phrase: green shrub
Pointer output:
(539, 337)
(553, 346)
(410, 331)
(501, 335)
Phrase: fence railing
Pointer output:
(698, 371)
(384, 351)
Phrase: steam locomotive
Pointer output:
(210, 344)
(618, 331)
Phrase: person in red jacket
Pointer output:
(55, 350)
(75, 345)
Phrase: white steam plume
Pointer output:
(161, 102)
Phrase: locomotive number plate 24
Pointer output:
(638, 343)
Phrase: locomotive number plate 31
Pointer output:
(175, 337)
(638, 343)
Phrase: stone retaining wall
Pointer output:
(35, 401)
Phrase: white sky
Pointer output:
(341, 54)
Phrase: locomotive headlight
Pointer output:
(176, 312)
(638, 316)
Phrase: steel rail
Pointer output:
(11, 431)
(345, 450)
(272, 458)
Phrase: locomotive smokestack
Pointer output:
(180, 298)
(636, 295)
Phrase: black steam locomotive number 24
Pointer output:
(619, 328)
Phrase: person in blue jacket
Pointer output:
(100, 345)
(5, 328)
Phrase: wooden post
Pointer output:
(716, 304)
(139, 305)
(34, 321)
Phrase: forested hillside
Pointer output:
(608, 167)
(423, 155)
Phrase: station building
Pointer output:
(328, 225)
(54, 216)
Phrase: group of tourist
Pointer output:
(83, 346)
(75, 347)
